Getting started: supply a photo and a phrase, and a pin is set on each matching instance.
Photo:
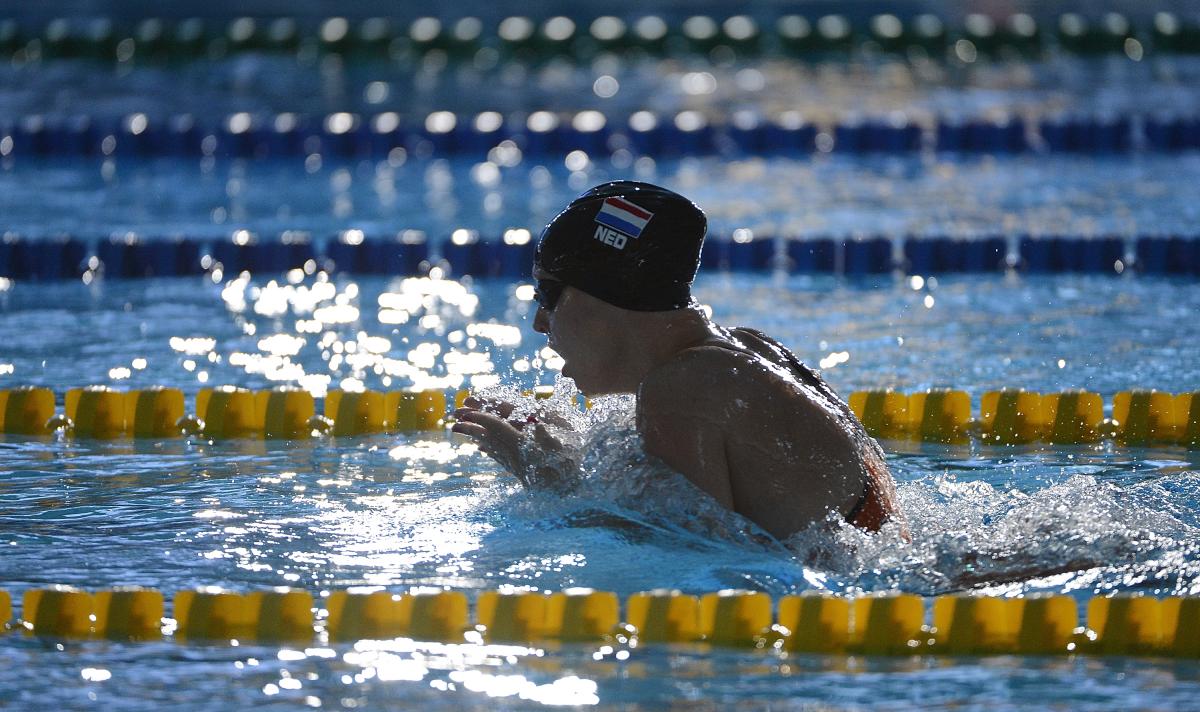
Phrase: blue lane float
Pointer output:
(285, 135)
(42, 260)
(741, 253)
(979, 136)
(748, 136)
(1171, 134)
(400, 254)
(1092, 255)
(345, 135)
(1169, 255)
(924, 256)
(943, 254)
(138, 136)
(688, 133)
(1072, 254)
(132, 258)
(1087, 135)
(877, 137)
(811, 256)
(484, 130)
(867, 256)
(789, 136)
(183, 137)
(546, 133)
(37, 136)
(247, 254)
(470, 256)
(592, 141)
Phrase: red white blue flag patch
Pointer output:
(623, 216)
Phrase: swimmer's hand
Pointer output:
(523, 446)
(505, 410)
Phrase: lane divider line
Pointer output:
(508, 255)
(544, 133)
(1012, 416)
(875, 624)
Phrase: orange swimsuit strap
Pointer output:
(869, 513)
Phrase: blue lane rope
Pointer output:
(687, 133)
(467, 253)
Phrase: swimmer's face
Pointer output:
(569, 319)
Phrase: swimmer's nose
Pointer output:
(541, 322)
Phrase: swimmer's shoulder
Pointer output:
(706, 378)
(771, 349)
(745, 333)
(699, 368)
(766, 346)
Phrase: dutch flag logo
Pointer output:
(623, 216)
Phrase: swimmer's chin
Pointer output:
(582, 386)
(565, 372)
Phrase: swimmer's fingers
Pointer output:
(466, 413)
(472, 430)
(493, 425)
(495, 436)
(474, 402)
(505, 410)
(478, 433)
(487, 424)
(544, 440)
(554, 419)
(499, 407)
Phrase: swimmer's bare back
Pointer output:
(753, 427)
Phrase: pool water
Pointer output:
(429, 510)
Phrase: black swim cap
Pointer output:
(633, 245)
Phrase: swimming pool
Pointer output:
(426, 511)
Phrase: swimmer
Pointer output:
(731, 409)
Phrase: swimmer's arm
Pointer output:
(682, 425)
